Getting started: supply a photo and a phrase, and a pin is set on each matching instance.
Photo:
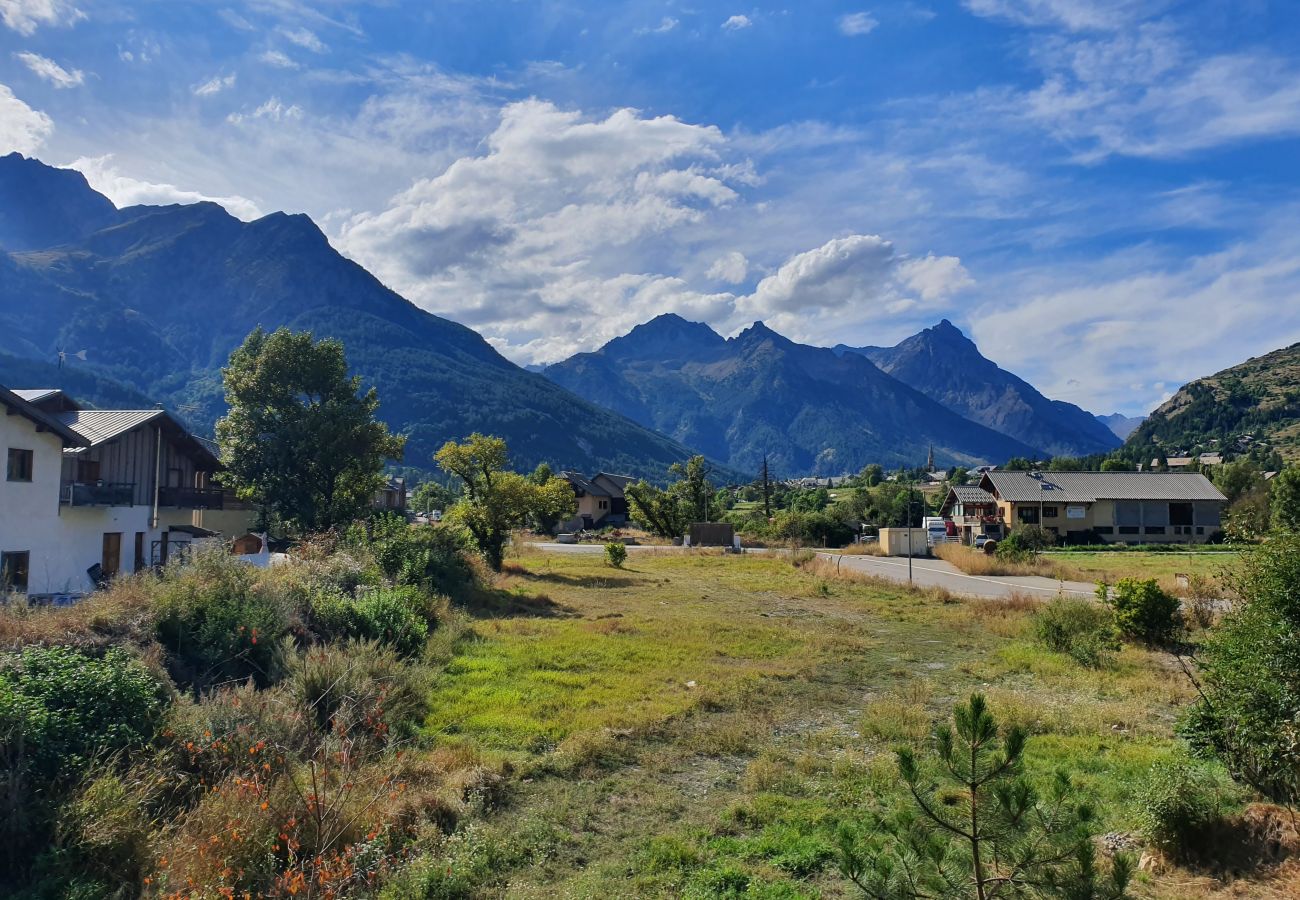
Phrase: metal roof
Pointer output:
(969, 493)
(38, 394)
(584, 485)
(1088, 487)
(15, 401)
(100, 425)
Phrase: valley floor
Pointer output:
(700, 725)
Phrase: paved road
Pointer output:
(937, 573)
(926, 572)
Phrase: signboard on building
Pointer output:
(1076, 512)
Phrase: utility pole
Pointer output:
(909, 532)
(767, 491)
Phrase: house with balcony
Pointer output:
(972, 511)
(1110, 507)
(601, 500)
(128, 488)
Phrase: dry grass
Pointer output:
(120, 615)
(974, 562)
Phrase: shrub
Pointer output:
(1177, 802)
(391, 616)
(1076, 627)
(615, 554)
(1023, 543)
(426, 556)
(220, 624)
(361, 688)
(1143, 610)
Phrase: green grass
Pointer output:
(631, 782)
(1160, 565)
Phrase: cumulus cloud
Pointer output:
(214, 85)
(25, 16)
(304, 38)
(22, 128)
(730, 267)
(48, 69)
(666, 24)
(277, 59)
(737, 22)
(856, 24)
(273, 109)
(124, 190)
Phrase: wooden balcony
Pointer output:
(191, 498)
(97, 493)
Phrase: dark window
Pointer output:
(14, 566)
(20, 465)
(1180, 514)
(87, 471)
(1200, 529)
(1049, 512)
(1155, 529)
(1028, 515)
(1104, 529)
(1129, 529)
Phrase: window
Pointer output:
(1049, 512)
(20, 465)
(14, 566)
(1180, 514)
(87, 471)
(1129, 529)
(1155, 529)
(1028, 515)
(1104, 529)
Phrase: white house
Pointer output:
(106, 492)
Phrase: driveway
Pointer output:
(927, 572)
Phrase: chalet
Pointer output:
(392, 496)
(1083, 507)
(90, 494)
(601, 500)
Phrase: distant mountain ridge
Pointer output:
(946, 366)
(159, 296)
(809, 409)
(1121, 425)
(1251, 405)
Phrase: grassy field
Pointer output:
(700, 725)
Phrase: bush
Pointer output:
(1021, 544)
(220, 624)
(615, 554)
(362, 689)
(1081, 629)
(426, 556)
(1143, 610)
(1178, 801)
(391, 616)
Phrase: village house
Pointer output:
(1086, 507)
(90, 494)
(601, 500)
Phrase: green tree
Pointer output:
(871, 475)
(1286, 499)
(694, 487)
(497, 500)
(1116, 465)
(300, 436)
(661, 512)
(431, 495)
(1236, 479)
(1249, 675)
(985, 831)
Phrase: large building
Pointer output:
(1086, 507)
(90, 494)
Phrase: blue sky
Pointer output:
(1102, 193)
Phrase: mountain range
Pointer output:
(1250, 406)
(947, 367)
(808, 409)
(1120, 424)
(158, 296)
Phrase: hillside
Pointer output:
(946, 366)
(159, 296)
(1120, 424)
(809, 409)
(1251, 406)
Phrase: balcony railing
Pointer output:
(98, 493)
(192, 498)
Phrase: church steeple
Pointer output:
(929, 462)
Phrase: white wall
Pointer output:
(29, 511)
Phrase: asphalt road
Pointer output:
(926, 572)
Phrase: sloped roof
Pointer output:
(969, 493)
(584, 485)
(98, 426)
(1088, 487)
(15, 401)
(38, 394)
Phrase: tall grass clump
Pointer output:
(1085, 631)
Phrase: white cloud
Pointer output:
(278, 59)
(1076, 15)
(48, 69)
(124, 190)
(304, 38)
(273, 109)
(22, 128)
(730, 267)
(737, 22)
(215, 85)
(25, 16)
(666, 24)
(934, 277)
(858, 23)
